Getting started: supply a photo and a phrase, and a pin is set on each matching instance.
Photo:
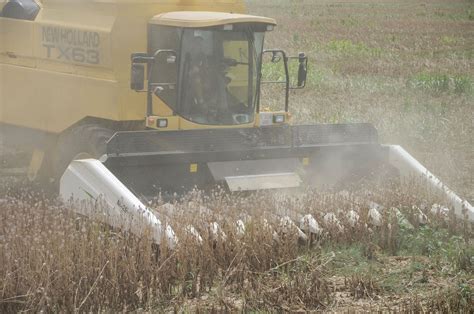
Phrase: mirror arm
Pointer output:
(141, 57)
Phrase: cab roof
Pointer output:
(195, 19)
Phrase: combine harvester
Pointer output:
(120, 100)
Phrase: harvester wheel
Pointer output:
(83, 141)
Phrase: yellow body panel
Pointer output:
(73, 61)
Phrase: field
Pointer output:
(406, 67)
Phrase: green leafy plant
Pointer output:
(439, 83)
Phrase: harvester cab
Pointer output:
(205, 67)
(202, 75)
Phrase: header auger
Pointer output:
(128, 99)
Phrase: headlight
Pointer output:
(278, 118)
(162, 123)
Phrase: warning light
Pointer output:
(305, 161)
(151, 121)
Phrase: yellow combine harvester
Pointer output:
(166, 93)
(67, 68)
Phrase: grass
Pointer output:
(346, 48)
(439, 83)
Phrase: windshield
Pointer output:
(219, 75)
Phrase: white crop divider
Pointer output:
(89, 183)
(409, 166)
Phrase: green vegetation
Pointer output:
(347, 48)
(441, 83)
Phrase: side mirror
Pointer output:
(137, 80)
(302, 70)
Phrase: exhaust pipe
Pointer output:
(409, 166)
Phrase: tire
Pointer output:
(83, 141)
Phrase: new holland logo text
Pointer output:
(71, 45)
